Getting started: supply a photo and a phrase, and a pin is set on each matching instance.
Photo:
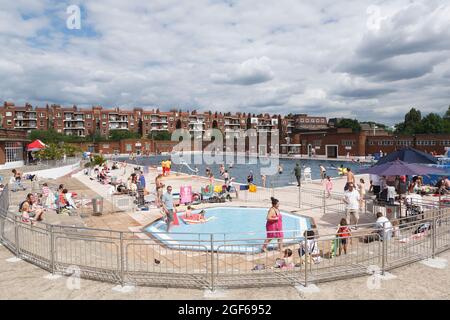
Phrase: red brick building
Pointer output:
(335, 143)
(83, 122)
(12, 148)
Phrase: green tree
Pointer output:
(71, 150)
(411, 124)
(46, 136)
(52, 136)
(432, 123)
(349, 123)
(447, 114)
(117, 135)
(159, 135)
(51, 152)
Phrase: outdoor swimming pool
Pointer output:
(234, 229)
(243, 165)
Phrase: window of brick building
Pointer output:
(13, 151)
(348, 143)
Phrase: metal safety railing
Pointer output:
(222, 260)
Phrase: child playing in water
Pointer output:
(191, 218)
(188, 213)
(201, 216)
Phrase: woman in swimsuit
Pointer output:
(274, 225)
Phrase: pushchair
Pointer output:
(414, 208)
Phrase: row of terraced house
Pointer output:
(298, 134)
(84, 122)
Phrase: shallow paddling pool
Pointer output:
(231, 229)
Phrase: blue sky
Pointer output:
(372, 60)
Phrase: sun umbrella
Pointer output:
(36, 145)
(409, 155)
(400, 168)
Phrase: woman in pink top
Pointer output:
(328, 186)
(274, 225)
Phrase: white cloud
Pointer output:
(249, 72)
(254, 56)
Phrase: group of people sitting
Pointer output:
(443, 186)
(17, 179)
(308, 252)
(102, 174)
(402, 185)
(36, 204)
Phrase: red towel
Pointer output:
(175, 221)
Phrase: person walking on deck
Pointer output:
(168, 207)
(298, 173)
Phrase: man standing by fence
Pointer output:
(351, 199)
(298, 173)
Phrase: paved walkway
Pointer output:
(21, 280)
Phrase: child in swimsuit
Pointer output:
(188, 213)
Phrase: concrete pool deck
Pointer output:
(326, 223)
(35, 285)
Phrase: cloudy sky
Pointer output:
(372, 60)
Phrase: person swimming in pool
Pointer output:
(188, 213)
(280, 169)
(201, 216)
(193, 218)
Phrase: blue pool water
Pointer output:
(227, 224)
(243, 165)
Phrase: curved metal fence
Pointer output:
(138, 259)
